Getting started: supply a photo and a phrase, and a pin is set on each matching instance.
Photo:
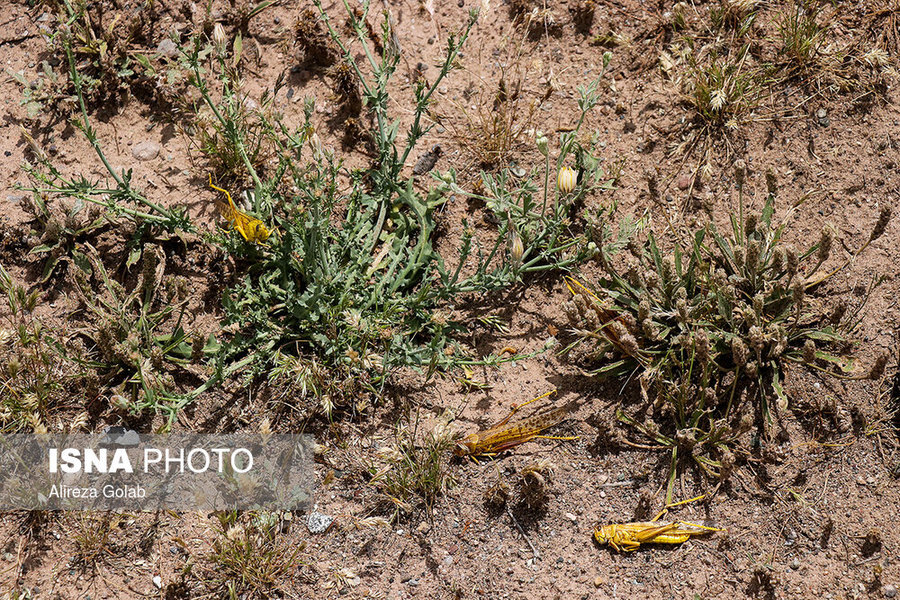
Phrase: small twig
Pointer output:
(537, 555)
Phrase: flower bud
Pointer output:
(218, 38)
(566, 180)
(542, 142)
(516, 248)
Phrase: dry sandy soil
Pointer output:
(814, 518)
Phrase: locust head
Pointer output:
(466, 446)
(603, 535)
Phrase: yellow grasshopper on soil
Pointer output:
(628, 537)
(503, 435)
(251, 229)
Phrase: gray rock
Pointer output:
(167, 48)
(889, 590)
(145, 151)
(318, 522)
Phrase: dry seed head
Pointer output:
(30, 401)
(197, 344)
(13, 366)
(826, 240)
(629, 321)
(781, 344)
(682, 308)
(798, 291)
(777, 259)
(759, 305)
(738, 256)
(650, 331)
(878, 368)
(580, 304)
(791, 261)
(883, 219)
(840, 309)
(668, 268)
(757, 338)
(752, 369)
(497, 495)
(809, 352)
(571, 312)
(643, 310)
(750, 224)
(629, 344)
(635, 248)
(635, 279)
(651, 278)
(685, 439)
(720, 278)
(771, 183)
(701, 344)
(739, 351)
(752, 256)
(740, 171)
(156, 357)
(726, 459)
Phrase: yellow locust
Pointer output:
(251, 229)
(628, 537)
(504, 436)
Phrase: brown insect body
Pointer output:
(502, 436)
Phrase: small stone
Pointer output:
(598, 581)
(571, 517)
(167, 48)
(889, 590)
(683, 182)
(795, 564)
(145, 151)
(157, 581)
(423, 527)
(317, 522)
